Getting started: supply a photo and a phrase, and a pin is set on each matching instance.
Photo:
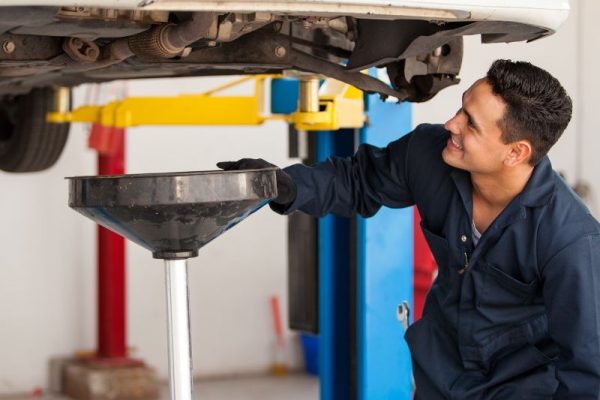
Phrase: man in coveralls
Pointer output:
(514, 312)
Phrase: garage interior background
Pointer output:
(47, 257)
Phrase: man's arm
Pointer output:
(572, 296)
(372, 177)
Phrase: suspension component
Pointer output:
(81, 50)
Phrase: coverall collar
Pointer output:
(540, 188)
(538, 192)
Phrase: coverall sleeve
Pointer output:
(572, 296)
(361, 184)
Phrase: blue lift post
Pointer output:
(383, 279)
(365, 272)
(335, 284)
(384, 274)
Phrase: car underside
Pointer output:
(67, 46)
(45, 47)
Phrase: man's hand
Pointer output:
(286, 188)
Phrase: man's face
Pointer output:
(475, 143)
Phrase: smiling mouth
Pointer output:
(455, 143)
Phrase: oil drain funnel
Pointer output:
(173, 215)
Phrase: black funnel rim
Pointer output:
(168, 174)
(173, 214)
(172, 188)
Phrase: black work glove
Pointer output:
(286, 188)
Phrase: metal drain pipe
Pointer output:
(167, 41)
(178, 330)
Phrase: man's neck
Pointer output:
(492, 193)
(497, 190)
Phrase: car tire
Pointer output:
(28, 143)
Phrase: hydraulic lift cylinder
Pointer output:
(178, 323)
(309, 95)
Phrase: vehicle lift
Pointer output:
(362, 277)
(339, 106)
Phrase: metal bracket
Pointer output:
(341, 106)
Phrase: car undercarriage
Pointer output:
(47, 47)
(67, 46)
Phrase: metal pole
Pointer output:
(178, 322)
(309, 94)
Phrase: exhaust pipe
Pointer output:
(161, 41)
(168, 41)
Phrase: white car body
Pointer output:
(549, 14)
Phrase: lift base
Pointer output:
(85, 380)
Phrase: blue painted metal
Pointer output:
(284, 95)
(384, 271)
(384, 275)
(335, 326)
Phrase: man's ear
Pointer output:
(519, 153)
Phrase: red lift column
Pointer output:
(110, 372)
(424, 267)
(112, 331)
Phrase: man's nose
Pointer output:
(451, 125)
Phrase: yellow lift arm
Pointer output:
(340, 106)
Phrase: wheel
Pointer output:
(27, 142)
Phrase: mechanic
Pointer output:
(514, 312)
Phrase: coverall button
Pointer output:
(463, 238)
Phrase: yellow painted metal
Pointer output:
(341, 106)
(201, 109)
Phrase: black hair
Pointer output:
(538, 108)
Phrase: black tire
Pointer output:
(27, 142)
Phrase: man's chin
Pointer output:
(448, 159)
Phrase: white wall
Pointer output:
(586, 156)
(47, 262)
(46, 270)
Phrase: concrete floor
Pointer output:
(289, 387)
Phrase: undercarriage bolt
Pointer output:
(8, 46)
(92, 52)
(280, 51)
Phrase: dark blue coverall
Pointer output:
(515, 317)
